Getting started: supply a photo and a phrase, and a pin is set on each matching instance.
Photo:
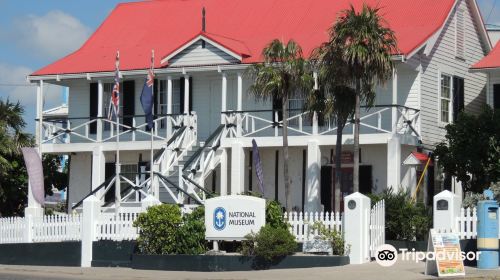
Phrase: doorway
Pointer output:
(328, 185)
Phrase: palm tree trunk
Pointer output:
(355, 172)
(288, 193)
(338, 165)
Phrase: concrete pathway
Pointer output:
(401, 270)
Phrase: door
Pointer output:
(327, 185)
(128, 98)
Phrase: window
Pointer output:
(445, 98)
(459, 34)
(496, 96)
(176, 98)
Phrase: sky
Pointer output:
(34, 33)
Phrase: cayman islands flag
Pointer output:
(147, 98)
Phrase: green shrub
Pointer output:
(269, 243)
(158, 228)
(404, 219)
(163, 230)
(274, 215)
(191, 234)
(334, 237)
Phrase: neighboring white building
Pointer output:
(494, 33)
(201, 98)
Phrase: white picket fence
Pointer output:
(12, 229)
(377, 227)
(55, 228)
(117, 227)
(466, 223)
(300, 223)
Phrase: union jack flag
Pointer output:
(114, 105)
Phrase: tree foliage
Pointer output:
(471, 151)
(283, 74)
(13, 175)
(365, 44)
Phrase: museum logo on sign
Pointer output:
(219, 218)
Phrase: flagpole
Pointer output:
(154, 126)
(118, 167)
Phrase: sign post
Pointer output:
(233, 217)
(447, 260)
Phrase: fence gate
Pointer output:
(377, 227)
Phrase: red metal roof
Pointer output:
(421, 157)
(243, 26)
(492, 60)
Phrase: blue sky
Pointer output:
(34, 33)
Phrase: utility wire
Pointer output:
(492, 9)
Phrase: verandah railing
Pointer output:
(101, 129)
(377, 119)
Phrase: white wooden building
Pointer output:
(206, 119)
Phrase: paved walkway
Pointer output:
(401, 270)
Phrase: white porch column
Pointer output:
(39, 116)
(169, 106)
(394, 100)
(239, 105)
(394, 162)
(237, 168)
(240, 92)
(223, 172)
(100, 94)
(34, 208)
(98, 169)
(224, 96)
(313, 176)
(186, 94)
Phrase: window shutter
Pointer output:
(458, 96)
(155, 97)
(496, 96)
(128, 99)
(93, 107)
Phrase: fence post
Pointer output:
(446, 208)
(356, 227)
(91, 212)
(30, 214)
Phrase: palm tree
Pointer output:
(335, 100)
(284, 73)
(11, 136)
(367, 44)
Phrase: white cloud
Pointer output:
(52, 35)
(13, 85)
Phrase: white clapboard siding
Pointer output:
(117, 227)
(196, 55)
(300, 223)
(12, 229)
(55, 228)
(442, 59)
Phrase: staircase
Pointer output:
(172, 175)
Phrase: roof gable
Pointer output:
(243, 27)
(207, 49)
